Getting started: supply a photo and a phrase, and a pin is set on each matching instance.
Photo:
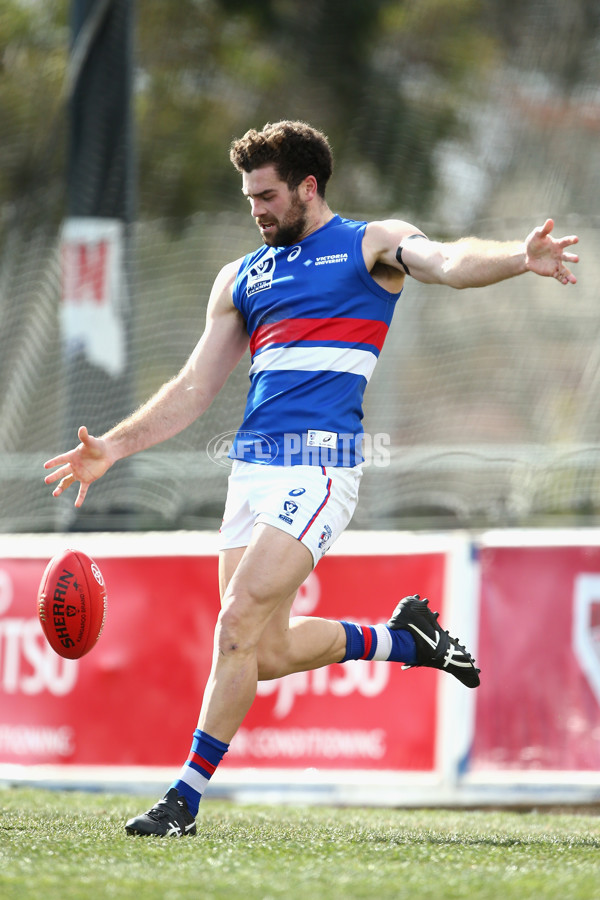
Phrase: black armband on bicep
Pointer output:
(399, 250)
(401, 261)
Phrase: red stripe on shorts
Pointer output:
(327, 496)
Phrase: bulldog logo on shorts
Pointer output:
(325, 537)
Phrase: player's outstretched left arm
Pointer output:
(549, 256)
(471, 261)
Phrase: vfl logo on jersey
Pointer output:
(260, 276)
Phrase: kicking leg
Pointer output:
(412, 636)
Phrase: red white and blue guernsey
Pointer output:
(317, 322)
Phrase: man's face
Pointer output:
(279, 213)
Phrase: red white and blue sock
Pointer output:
(205, 755)
(379, 642)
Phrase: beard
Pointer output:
(291, 228)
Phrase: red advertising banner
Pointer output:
(134, 699)
(538, 706)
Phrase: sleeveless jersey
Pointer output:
(317, 322)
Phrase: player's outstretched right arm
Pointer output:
(176, 405)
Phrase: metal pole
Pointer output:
(96, 242)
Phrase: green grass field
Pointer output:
(62, 845)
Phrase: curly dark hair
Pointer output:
(294, 148)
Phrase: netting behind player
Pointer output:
(488, 397)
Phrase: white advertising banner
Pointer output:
(93, 286)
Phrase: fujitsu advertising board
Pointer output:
(146, 675)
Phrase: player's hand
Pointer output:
(85, 464)
(546, 255)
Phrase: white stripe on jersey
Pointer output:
(316, 359)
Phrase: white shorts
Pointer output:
(312, 503)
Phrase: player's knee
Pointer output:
(235, 630)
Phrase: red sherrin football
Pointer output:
(72, 603)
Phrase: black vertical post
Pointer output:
(100, 166)
(96, 245)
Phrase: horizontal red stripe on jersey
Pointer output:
(351, 331)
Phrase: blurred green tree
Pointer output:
(33, 58)
(386, 80)
(213, 69)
